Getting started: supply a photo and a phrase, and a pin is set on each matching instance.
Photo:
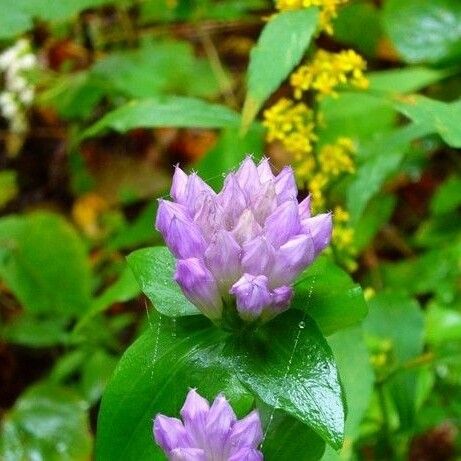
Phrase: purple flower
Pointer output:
(209, 433)
(243, 246)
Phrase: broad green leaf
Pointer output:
(437, 116)
(154, 269)
(424, 30)
(405, 80)
(329, 295)
(438, 231)
(447, 197)
(230, 150)
(281, 45)
(165, 112)
(351, 354)
(46, 423)
(44, 263)
(288, 364)
(443, 324)
(287, 438)
(154, 376)
(161, 67)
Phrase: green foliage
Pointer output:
(280, 47)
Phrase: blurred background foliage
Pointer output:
(100, 98)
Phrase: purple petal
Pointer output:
(265, 171)
(319, 227)
(247, 454)
(291, 258)
(285, 185)
(252, 295)
(166, 212)
(246, 433)
(264, 202)
(220, 420)
(178, 186)
(199, 286)
(194, 188)
(232, 199)
(283, 223)
(258, 256)
(304, 208)
(247, 227)
(187, 454)
(209, 215)
(184, 238)
(223, 259)
(247, 177)
(282, 297)
(169, 433)
(194, 414)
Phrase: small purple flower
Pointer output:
(209, 433)
(244, 246)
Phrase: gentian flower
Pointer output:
(239, 251)
(209, 433)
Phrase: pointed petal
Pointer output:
(232, 199)
(199, 286)
(178, 185)
(247, 432)
(304, 208)
(223, 259)
(247, 227)
(283, 223)
(252, 296)
(194, 414)
(209, 215)
(291, 259)
(264, 202)
(166, 212)
(258, 256)
(285, 185)
(169, 433)
(187, 454)
(282, 297)
(247, 454)
(220, 420)
(319, 228)
(265, 171)
(195, 186)
(184, 238)
(248, 178)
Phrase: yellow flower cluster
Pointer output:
(343, 234)
(328, 70)
(292, 124)
(337, 158)
(328, 10)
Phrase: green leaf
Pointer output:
(443, 324)
(161, 67)
(447, 197)
(154, 376)
(351, 354)
(44, 262)
(165, 112)
(437, 116)
(405, 80)
(154, 269)
(424, 31)
(47, 422)
(329, 295)
(230, 150)
(8, 186)
(280, 47)
(288, 364)
(287, 438)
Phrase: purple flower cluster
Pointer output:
(243, 246)
(209, 433)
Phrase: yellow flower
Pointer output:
(337, 158)
(292, 124)
(343, 234)
(328, 10)
(328, 70)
